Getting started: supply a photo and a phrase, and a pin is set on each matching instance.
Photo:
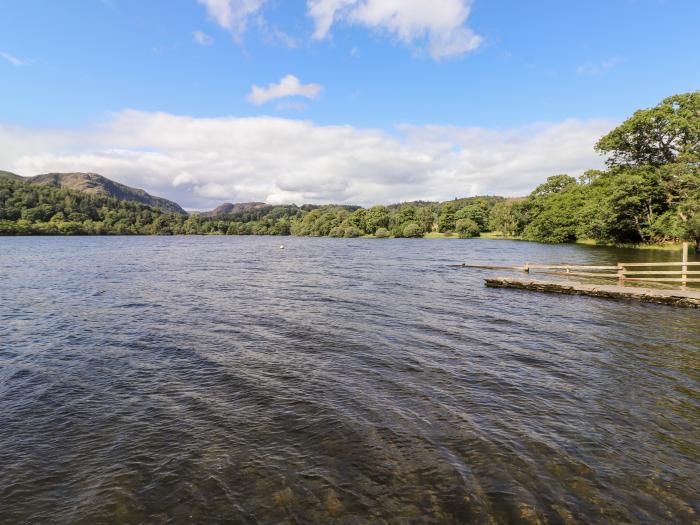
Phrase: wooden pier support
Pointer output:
(685, 298)
(684, 268)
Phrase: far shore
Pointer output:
(670, 246)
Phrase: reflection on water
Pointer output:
(224, 380)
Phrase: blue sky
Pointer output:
(412, 79)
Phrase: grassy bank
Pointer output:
(670, 246)
(673, 247)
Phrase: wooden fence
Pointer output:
(661, 272)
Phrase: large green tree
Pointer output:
(657, 136)
(664, 143)
(553, 209)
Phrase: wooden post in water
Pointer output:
(620, 274)
(684, 268)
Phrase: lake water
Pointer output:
(223, 380)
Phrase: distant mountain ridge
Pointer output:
(95, 184)
(228, 207)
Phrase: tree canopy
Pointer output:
(657, 136)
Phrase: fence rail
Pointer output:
(660, 264)
(662, 280)
(658, 272)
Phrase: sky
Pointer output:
(318, 101)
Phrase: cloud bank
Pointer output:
(201, 162)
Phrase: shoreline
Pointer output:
(670, 247)
(673, 247)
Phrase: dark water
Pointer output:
(223, 380)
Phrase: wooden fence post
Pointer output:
(684, 268)
(620, 274)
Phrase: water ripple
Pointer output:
(217, 380)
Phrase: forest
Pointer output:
(648, 193)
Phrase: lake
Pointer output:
(224, 380)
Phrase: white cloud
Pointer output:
(291, 105)
(201, 162)
(599, 68)
(202, 38)
(232, 14)
(438, 24)
(288, 86)
(438, 27)
(273, 35)
(13, 60)
(325, 13)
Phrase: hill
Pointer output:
(94, 184)
(9, 175)
(42, 209)
(227, 208)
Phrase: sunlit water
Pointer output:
(223, 380)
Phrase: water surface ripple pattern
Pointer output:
(223, 380)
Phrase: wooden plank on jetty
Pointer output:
(685, 298)
(489, 267)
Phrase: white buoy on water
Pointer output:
(281, 246)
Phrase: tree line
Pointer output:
(648, 193)
(31, 209)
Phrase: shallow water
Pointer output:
(221, 379)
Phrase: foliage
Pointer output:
(27, 209)
(508, 217)
(650, 193)
(656, 154)
(553, 210)
(412, 229)
(476, 213)
(657, 136)
(477, 209)
(621, 206)
(467, 228)
(382, 233)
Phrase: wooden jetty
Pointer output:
(665, 273)
(685, 298)
(683, 272)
